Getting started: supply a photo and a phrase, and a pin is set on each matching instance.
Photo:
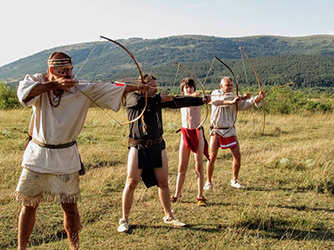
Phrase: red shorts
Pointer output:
(191, 139)
(227, 142)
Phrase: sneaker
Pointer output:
(201, 202)
(123, 226)
(208, 186)
(173, 221)
(236, 184)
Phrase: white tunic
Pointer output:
(223, 117)
(62, 124)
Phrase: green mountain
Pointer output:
(307, 61)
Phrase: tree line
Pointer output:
(283, 100)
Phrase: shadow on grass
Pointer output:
(273, 233)
(37, 241)
(294, 234)
(210, 228)
(209, 203)
(305, 208)
(266, 189)
(298, 208)
(218, 204)
(322, 188)
(282, 229)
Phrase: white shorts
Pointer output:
(34, 187)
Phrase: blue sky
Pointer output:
(30, 26)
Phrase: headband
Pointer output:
(60, 62)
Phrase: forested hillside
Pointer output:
(307, 61)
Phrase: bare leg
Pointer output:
(214, 146)
(199, 165)
(183, 166)
(162, 178)
(25, 225)
(132, 181)
(72, 224)
(236, 161)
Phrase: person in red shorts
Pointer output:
(225, 105)
(192, 140)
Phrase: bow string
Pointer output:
(76, 75)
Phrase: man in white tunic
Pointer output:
(51, 162)
(225, 106)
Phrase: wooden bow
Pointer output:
(259, 84)
(141, 76)
(234, 78)
(236, 86)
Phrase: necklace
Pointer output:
(55, 100)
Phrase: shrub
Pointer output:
(288, 101)
(8, 98)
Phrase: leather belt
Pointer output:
(148, 142)
(44, 145)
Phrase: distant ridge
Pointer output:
(270, 52)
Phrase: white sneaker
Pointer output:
(123, 226)
(208, 186)
(236, 184)
(173, 221)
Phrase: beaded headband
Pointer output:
(60, 62)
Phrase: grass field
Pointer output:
(288, 202)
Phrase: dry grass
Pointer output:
(288, 203)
